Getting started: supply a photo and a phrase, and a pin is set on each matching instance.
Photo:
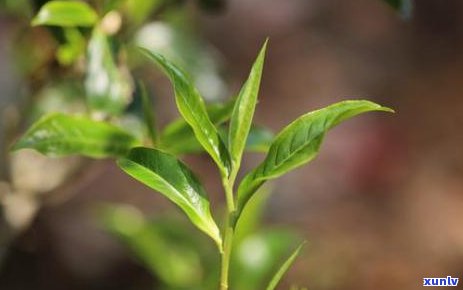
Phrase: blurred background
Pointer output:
(380, 207)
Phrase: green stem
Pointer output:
(227, 247)
(228, 236)
(228, 186)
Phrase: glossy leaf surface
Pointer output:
(299, 143)
(284, 268)
(179, 138)
(259, 140)
(66, 14)
(59, 134)
(168, 175)
(243, 111)
(191, 106)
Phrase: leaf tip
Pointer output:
(267, 39)
(381, 108)
(120, 162)
(157, 58)
(373, 106)
(302, 245)
(387, 109)
(263, 50)
(150, 53)
(143, 49)
(35, 22)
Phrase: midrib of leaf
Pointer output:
(202, 222)
(148, 171)
(277, 165)
(205, 133)
(243, 111)
(195, 117)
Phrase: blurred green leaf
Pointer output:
(140, 10)
(259, 139)
(18, 7)
(108, 87)
(58, 134)
(258, 257)
(243, 111)
(284, 268)
(251, 217)
(176, 39)
(68, 52)
(64, 96)
(170, 256)
(66, 14)
(184, 142)
(132, 123)
(220, 112)
(148, 113)
(110, 5)
(191, 106)
(168, 175)
(299, 143)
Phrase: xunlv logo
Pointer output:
(449, 281)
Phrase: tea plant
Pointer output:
(182, 259)
(296, 145)
(223, 132)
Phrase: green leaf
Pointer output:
(284, 268)
(58, 134)
(66, 14)
(191, 106)
(259, 139)
(108, 87)
(185, 144)
(184, 141)
(243, 111)
(251, 217)
(138, 11)
(163, 246)
(179, 138)
(259, 255)
(220, 113)
(168, 175)
(148, 113)
(299, 143)
(72, 49)
(110, 5)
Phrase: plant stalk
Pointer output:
(228, 233)
(227, 247)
